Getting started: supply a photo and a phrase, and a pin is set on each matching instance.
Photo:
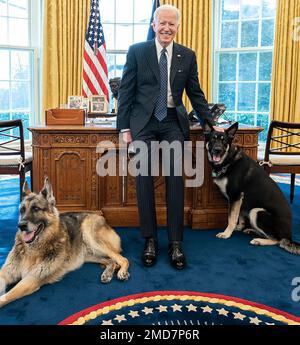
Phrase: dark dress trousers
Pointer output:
(138, 93)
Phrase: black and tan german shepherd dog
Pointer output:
(48, 245)
(255, 201)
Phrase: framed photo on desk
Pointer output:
(75, 102)
(99, 104)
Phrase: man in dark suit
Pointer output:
(150, 109)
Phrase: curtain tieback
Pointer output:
(21, 163)
(269, 164)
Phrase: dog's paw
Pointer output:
(123, 275)
(255, 242)
(239, 228)
(223, 235)
(285, 242)
(106, 278)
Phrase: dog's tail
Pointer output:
(289, 246)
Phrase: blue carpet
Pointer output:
(229, 267)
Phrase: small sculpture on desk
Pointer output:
(114, 84)
(216, 110)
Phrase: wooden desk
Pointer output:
(67, 155)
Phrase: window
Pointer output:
(18, 80)
(244, 31)
(124, 23)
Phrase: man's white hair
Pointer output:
(166, 8)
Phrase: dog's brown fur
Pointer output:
(48, 245)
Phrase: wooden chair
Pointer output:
(13, 158)
(282, 153)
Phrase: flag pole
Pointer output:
(96, 43)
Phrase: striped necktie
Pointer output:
(160, 111)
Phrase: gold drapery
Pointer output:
(285, 95)
(65, 23)
(195, 32)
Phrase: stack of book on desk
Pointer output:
(103, 120)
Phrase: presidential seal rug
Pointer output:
(180, 308)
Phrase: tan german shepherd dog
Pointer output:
(48, 245)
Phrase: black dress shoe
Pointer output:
(177, 257)
(150, 252)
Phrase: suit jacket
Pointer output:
(140, 83)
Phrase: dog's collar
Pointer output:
(236, 156)
(216, 174)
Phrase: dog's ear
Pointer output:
(232, 130)
(207, 129)
(47, 191)
(25, 190)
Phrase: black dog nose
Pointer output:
(217, 150)
(22, 226)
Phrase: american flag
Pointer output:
(95, 75)
(151, 33)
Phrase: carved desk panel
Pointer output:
(68, 156)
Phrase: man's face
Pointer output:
(166, 27)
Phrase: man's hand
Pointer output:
(218, 129)
(126, 136)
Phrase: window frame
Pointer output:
(217, 50)
(34, 48)
(132, 24)
(115, 52)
